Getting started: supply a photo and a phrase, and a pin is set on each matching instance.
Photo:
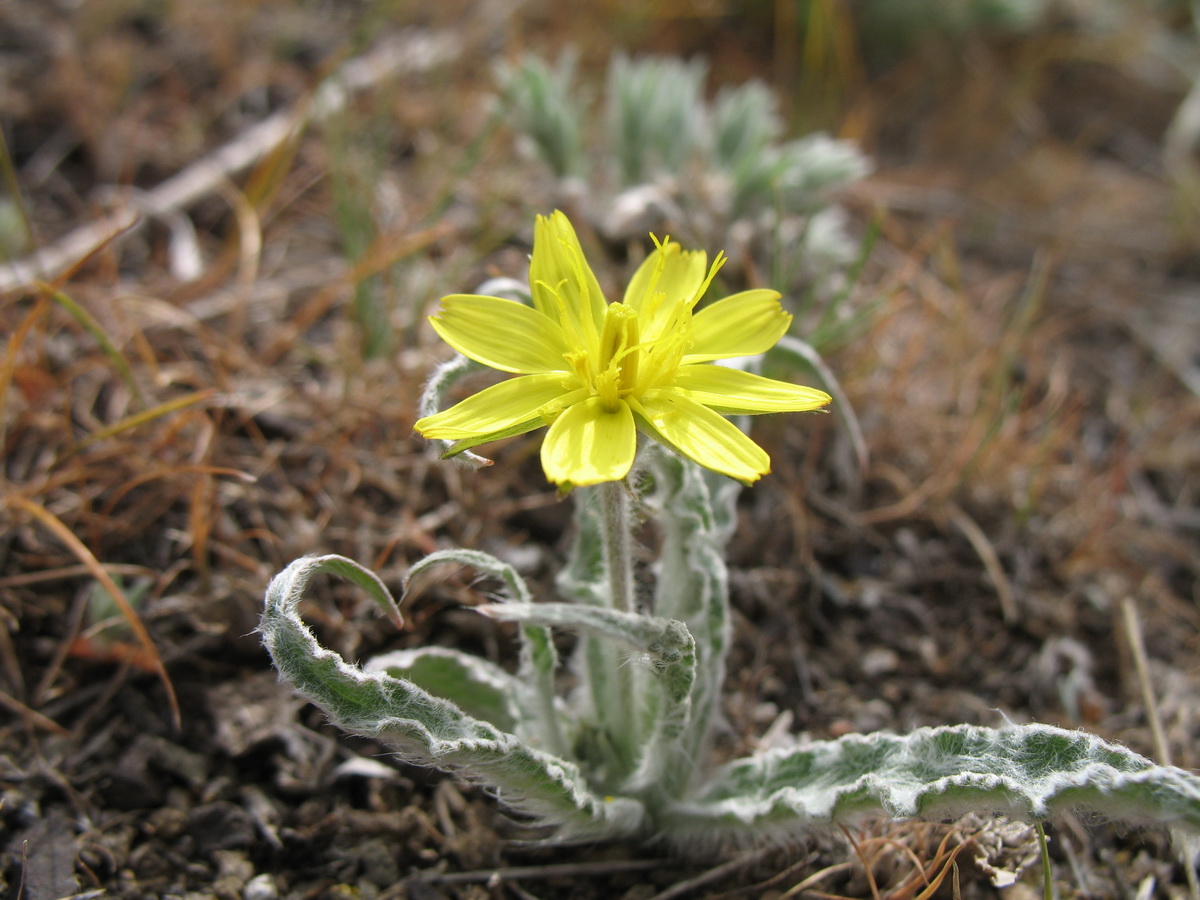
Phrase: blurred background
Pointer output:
(223, 224)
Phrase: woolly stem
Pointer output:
(618, 544)
(620, 721)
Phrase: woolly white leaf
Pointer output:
(425, 729)
(1028, 772)
(692, 585)
(539, 659)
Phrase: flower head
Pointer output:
(597, 373)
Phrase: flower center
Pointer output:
(616, 367)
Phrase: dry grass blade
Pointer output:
(200, 506)
(9, 367)
(683, 888)
(927, 876)
(758, 889)
(147, 415)
(167, 472)
(9, 661)
(388, 249)
(950, 865)
(942, 863)
(94, 328)
(28, 578)
(816, 878)
(860, 852)
(517, 873)
(268, 177)
(1137, 646)
(8, 172)
(249, 231)
(97, 571)
(31, 717)
(935, 485)
(991, 561)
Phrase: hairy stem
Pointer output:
(618, 545)
(618, 715)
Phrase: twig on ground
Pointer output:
(816, 878)
(517, 873)
(1137, 646)
(758, 889)
(413, 50)
(683, 888)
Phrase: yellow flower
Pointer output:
(598, 373)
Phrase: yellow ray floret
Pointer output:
(598, 373)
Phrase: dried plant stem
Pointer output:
(820, 875)
(991, 562)
(860, 852)
(8, 365)
(513, 873)
(32, 717)
(1137, 646)
(96, 330)
(724, 870)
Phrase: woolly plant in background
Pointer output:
(633, 401)
(539, 105)
(665, 155)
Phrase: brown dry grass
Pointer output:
(176, 442)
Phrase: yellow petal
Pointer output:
(669, 274)
(501, 334)
(702, 435)
(561, 282)
(495, 409)
(745, 324)
(588, 444)
(738, 392)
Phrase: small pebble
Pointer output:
(880, 661)
(260, 887)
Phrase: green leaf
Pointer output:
(96, 330)
(1028, 772)
(477, 687)
(539, 658)
(430, 730)
(697, 512)
(669, 651)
